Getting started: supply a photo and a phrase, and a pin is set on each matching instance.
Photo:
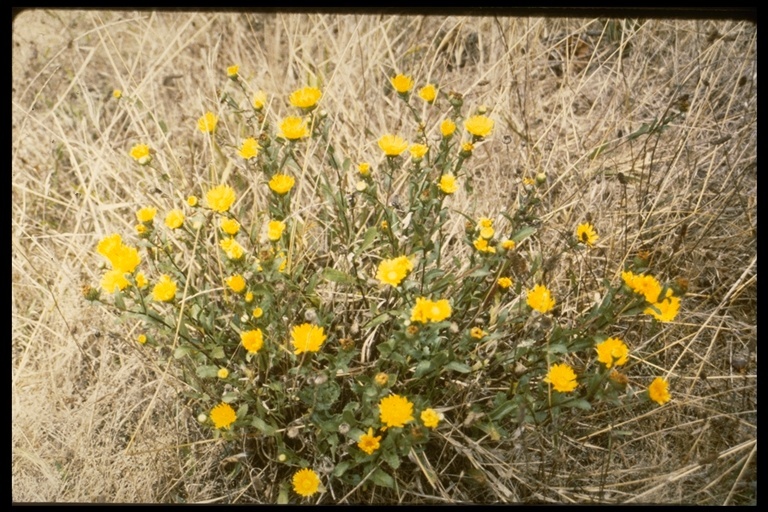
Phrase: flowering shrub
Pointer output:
(353, 350)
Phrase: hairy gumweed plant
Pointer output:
(363, 348)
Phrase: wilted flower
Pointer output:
(392, 145)
(207, 123)
(540, 299)
(562, 378)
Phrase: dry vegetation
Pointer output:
(648, 127)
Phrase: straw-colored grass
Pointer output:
(646, 127)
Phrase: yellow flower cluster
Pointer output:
(427, 310)
(307, 338)
(123, 258)
(395, 411)
(663, 309)
(393, 271)
(540, 299)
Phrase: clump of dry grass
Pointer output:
(648, 128)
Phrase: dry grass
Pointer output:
(95, 420)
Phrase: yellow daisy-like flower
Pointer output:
(165, 289)
(192, 201)
(257, 312)
(612, 351)
(306, 482)
(223, 415)
(259, 100)
(174, 219)
(586, 234)
(109, 246)
(114, 280)
(430, 418)
(249, 149)
(418, 151)
(484, 222)
(466, 149)
(368, 442)
(220, 198)
(252, 340)
(281, 183)
(477, 333)
(658, 391)
(294, 128)
(448, 184)
(306, 97)
(141, 280)
(392, 145)
(427, 310)
(223, 373)
(232, 71)
(275, 230)
(667, 308)
(307, 338)
(395, 411)
(504, 282)
(402, 83)
(479, 126)
(141, 153)
(236, 283)
(229, 226)
(393, 271)
(508, 245)
(232, 249)
(381, 379)
(540, 299)
(146, 214)
(142, 338)
(447, 128)
(562, 378)
(117, 94)
(364, 168)
(207, 123)
(481, 244)
(428, 93)
(122, 257)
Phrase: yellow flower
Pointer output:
(395, 411)
(540, 299)
(232, 71)
(141, 230)
(448, 184)
(394, 270)
(117, 94)
(192, 201)
(307, 338)
(418, 151)
(249, 149)
(658, 391)
(207, 123)
(487, 233)
(223, 415)
(477, 333)
(223, 373)
(381, 379)
(481, 244)
(229, 226)
(484, 222)
(236, 283)
(233, 250)
(645, 285)
(368, 443)
(275, 230)
(113, 281)
(430, 418)
(508, 245)
(306, 97)
(479, 126)
(392, 145)
(504, 282)
(252, 340)
(428, 93)
(294, 128)
(165, 289)
(249, 297)
(447, 128)
(259, 100)
(142, 338)
(426, 310)
(562, 378)
(466, 149)
(141, 280)
(281, 183)
(364, 168)
(174, 219)
(122, 257)
(586, 234)
(146, 214)
(140, 153)
(402, 83)
(110, 245)
(306, 482)
(668, 308)
(257, 312)
(220, 198)
(612, 351)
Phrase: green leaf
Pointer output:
(380, 477)
(337, 276)
(182, 351)
(341, 468)
(523, 234)
(557, 348)
(378, 320)
(422, 369)
(217, 353)
(481, 272)
(503, 410)
(578, 403)
(242, 411)
(230, 397)
(458, 367)
(262, 426)
(282, 496)
(207, 371)
(368, 239)
(391, 458)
